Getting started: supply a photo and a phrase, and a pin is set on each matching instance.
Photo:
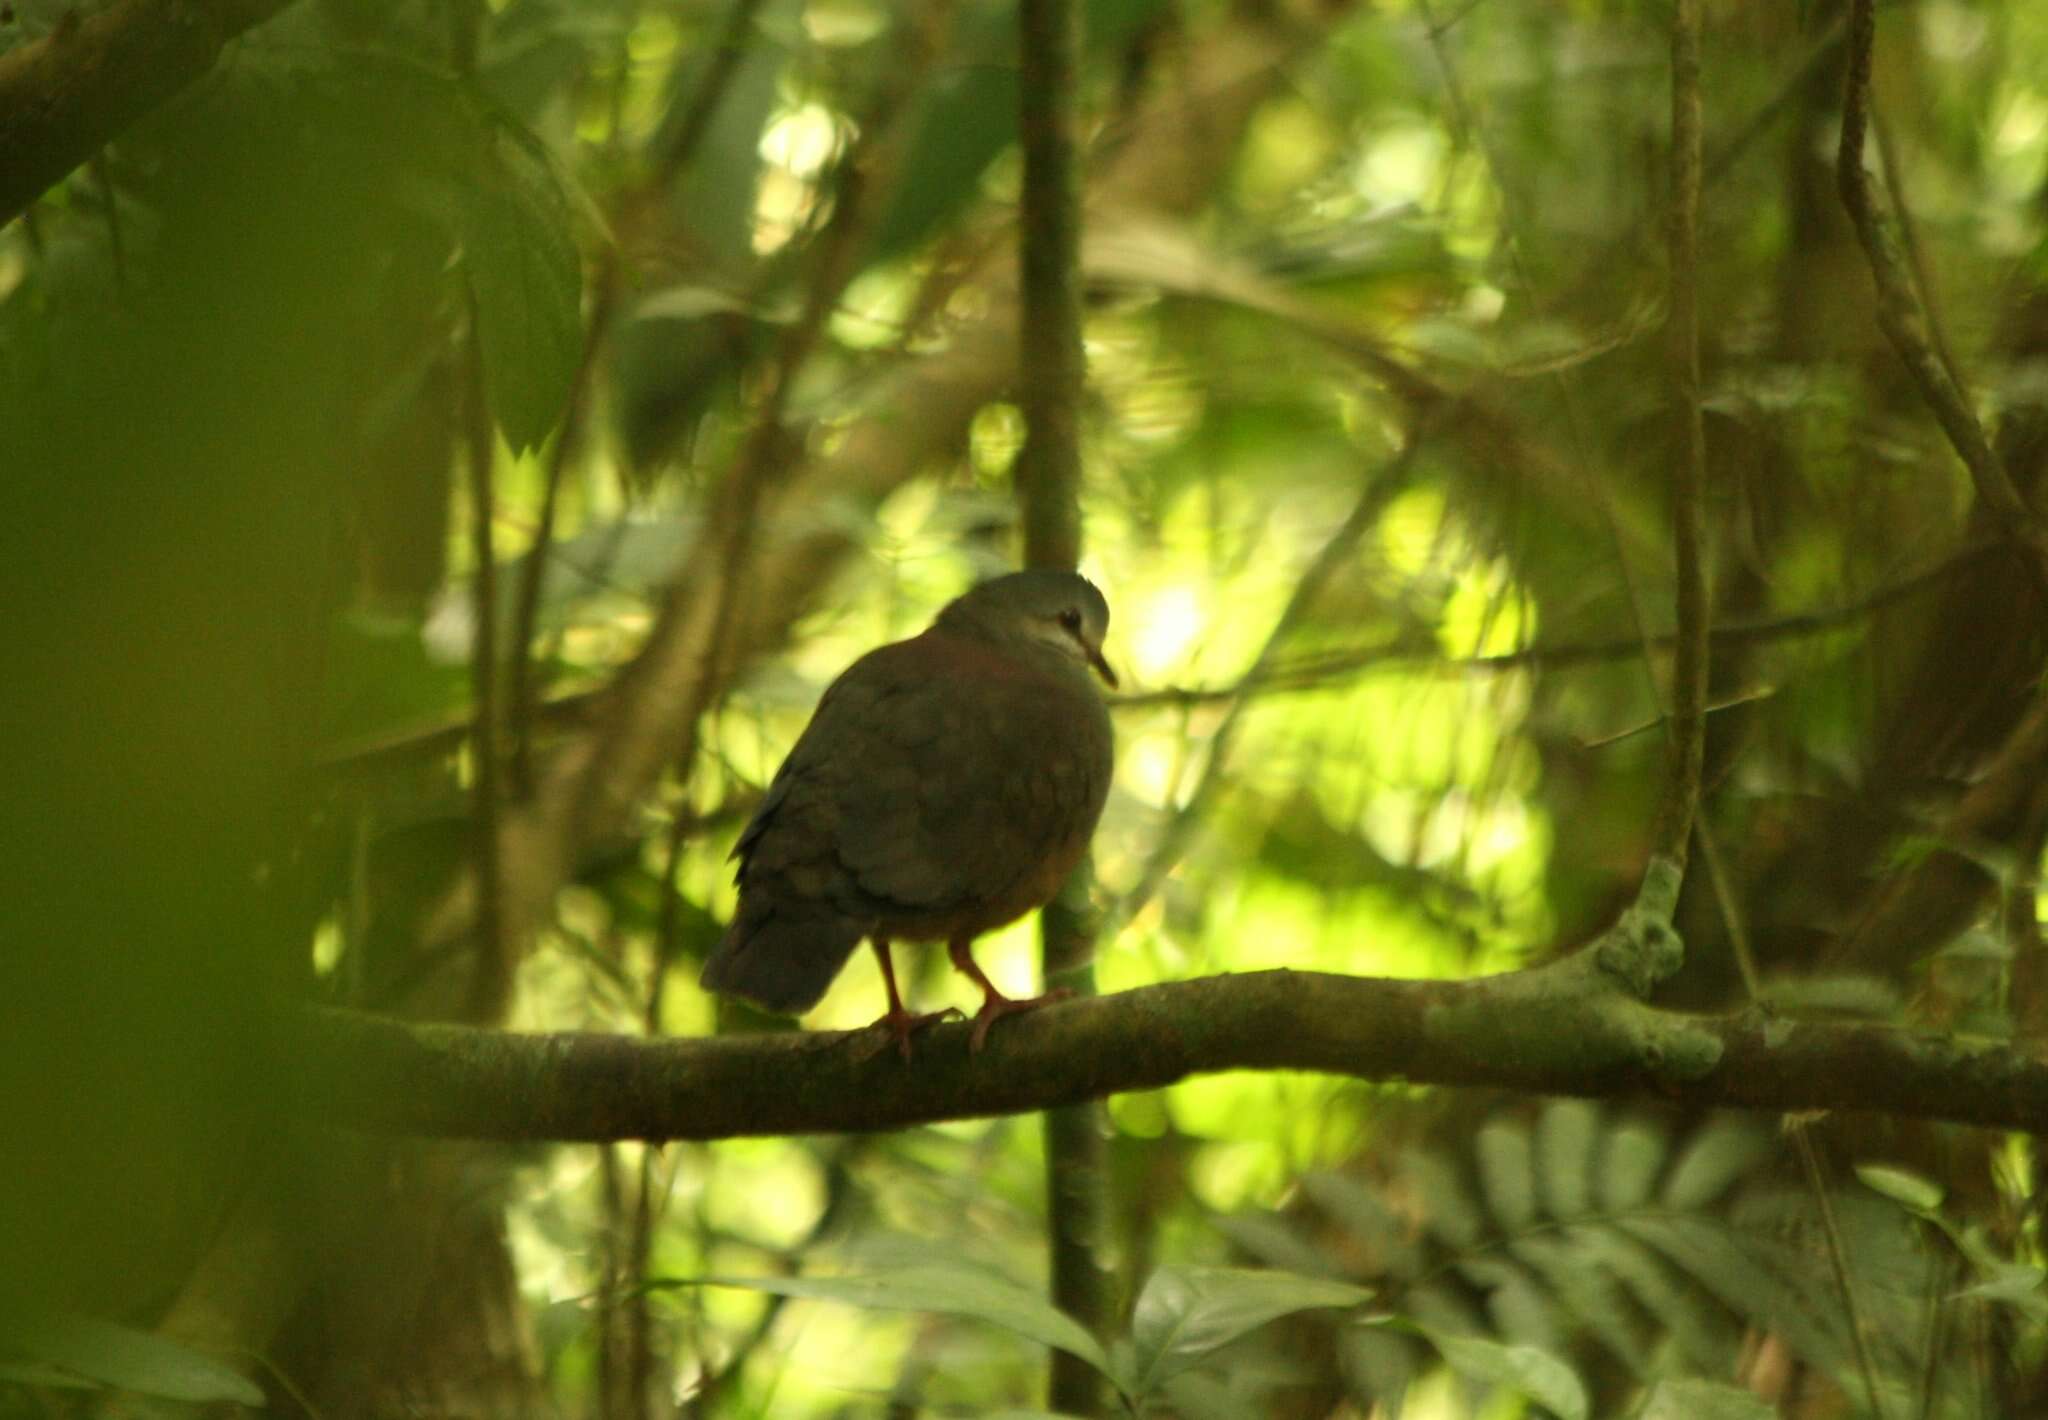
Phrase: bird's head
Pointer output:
(1059, 610)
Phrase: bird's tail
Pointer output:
(780, 961)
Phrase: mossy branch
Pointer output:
(1551, 1030)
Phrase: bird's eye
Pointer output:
(1071, 619)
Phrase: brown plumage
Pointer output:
(945, 786)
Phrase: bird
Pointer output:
(945, 786)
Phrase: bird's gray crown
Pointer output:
(1038, 594)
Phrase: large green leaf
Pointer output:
(1526, 1370)
(1712, 1160)
(951, 1289)
(127, 1359)
(527, 281)
(1185, 1313)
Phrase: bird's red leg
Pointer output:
(901, 1023)
(994, 1004)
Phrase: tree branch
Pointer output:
(65, 95)
(1549, 1030)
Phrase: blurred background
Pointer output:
(692, 324)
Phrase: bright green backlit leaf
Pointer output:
(1908, 1190)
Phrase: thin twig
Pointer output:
(1319, 671)
(1904, 321)
(490, 985)
(1424, 652)
(1687, 723)
(1838, 1262)
(1731, 149)
(533, 574)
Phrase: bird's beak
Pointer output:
(1101, 666)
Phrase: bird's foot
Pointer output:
(995, 1005)
(904, 1024)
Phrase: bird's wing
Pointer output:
(789, 846)
(973, 773)
(934, 778)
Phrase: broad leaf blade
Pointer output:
(1185, 1313)
(129, 1360)
(1911, 1191)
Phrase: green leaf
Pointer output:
(1703, 1400)
(1703, 1333)
(1910, 1191)
(127, 1359)
(1523, 1369)
(1630, 1160)
(2011, 1284)
(1747, 1276)
(1593, 1297)
(1507, 1173)
(43, 1375)
(958, 123)
(1184, 1313)
(1713, 1159)
(527, 281)
(953, 1290)
(1566, 1136)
